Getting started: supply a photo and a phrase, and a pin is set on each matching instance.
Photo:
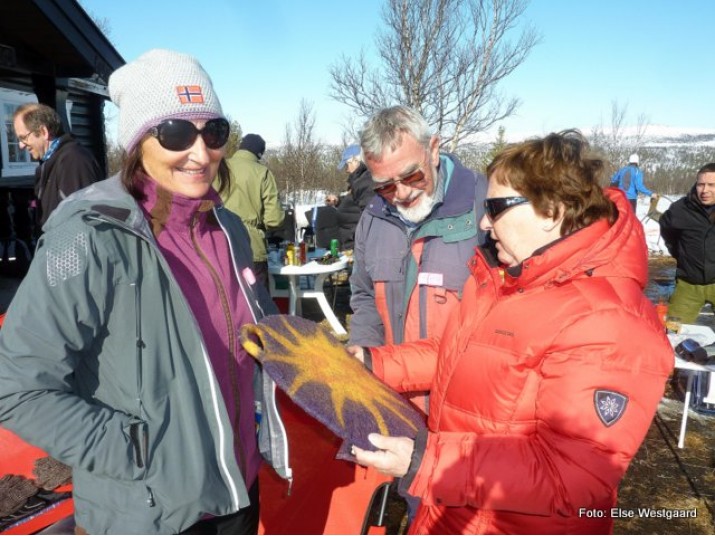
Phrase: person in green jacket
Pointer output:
(253, 195)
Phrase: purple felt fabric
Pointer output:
(321, 377)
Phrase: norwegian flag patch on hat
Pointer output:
(160, 85)
(610, 406)
(190, 94)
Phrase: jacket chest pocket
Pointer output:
(492, 382)
(448, 263)
(386, 269)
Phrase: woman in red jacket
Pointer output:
(547, 377)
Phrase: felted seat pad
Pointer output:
(320, 376)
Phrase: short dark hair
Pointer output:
(556, 169)
(36, 115)
(707, 168)
(132, 164)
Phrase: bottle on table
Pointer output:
(303, 252)
(290, 255)
(309, 238)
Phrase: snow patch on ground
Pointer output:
(650, 226)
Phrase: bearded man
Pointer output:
(415, 238)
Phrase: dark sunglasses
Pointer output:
(390, 187)
(179, 134)
(496, 205)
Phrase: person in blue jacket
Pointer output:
(630, 179)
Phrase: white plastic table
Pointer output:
(705, 336)
(295, 293)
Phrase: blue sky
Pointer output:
(265, 56)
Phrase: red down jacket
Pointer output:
(542, 388)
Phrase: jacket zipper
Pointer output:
(241, 284)
(207, 364)
(138, 431)
(232, 353)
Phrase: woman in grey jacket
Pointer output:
(119, 355)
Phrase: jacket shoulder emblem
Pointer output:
(610, 405)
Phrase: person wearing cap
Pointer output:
(630, 179)
(358, 195)
(253, 195)
(131, 373)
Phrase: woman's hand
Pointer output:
(393, 457)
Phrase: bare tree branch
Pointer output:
(445, 58)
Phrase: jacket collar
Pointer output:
(245, 154)
(597, 250)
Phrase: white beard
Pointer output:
(420, 211)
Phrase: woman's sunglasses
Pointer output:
(388, 188)
(179, 134)
(494, 206)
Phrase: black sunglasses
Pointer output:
(496, 205)
(390, 187)
(179, 134)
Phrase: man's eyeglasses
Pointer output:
(494, 206)
(23, 139)
(179, 134)
(388, 188)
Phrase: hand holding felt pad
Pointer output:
(320, 376)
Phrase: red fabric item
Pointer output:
(517, 439)
(328, 496)
(18, 458)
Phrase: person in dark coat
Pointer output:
(323, 222)
(65, 165)
(688, 229)
(357, 197)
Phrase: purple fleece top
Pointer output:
(198, 254)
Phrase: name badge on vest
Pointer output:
(430, 280)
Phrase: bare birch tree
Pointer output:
(303, 165)
(444, 58)
(617, 141)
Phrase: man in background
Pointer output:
(688, 230)
(323, 222)
(630, 179)
(65, 165)
(357, 197)
(332, 200)
(253, 195)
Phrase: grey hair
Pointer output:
(385, 129)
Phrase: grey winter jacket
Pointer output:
(382, 255)
(102, 365)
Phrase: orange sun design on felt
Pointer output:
(318, 358)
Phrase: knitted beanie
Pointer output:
(321, 377)
(159, 85)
